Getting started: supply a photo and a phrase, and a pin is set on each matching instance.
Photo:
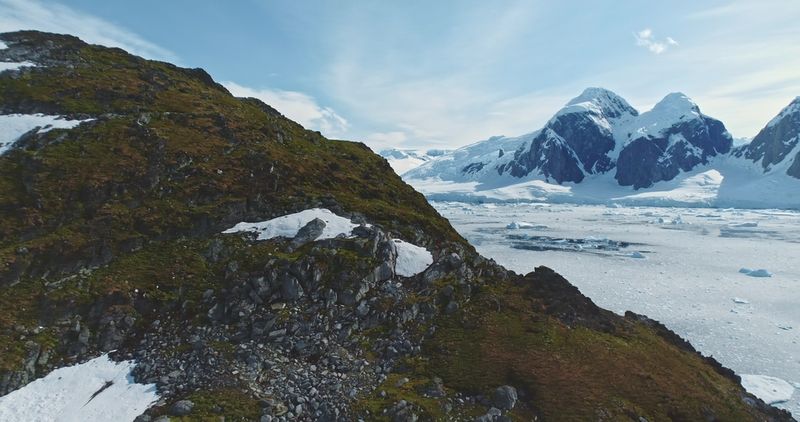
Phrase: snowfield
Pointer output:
(97, 390)
(13, 126)
(289, 225)
(14, 65)
(677, 265)
(724, 182)
(411, 259)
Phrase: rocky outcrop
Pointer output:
(777, 142)
(596, 133)
(576, 141)
(672, 137)
(111, 240)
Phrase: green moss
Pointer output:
(225, 348)
(234, 405)
(574, 373)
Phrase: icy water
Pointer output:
(679, 266)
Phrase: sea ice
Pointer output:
(524, 225)
(770, 389)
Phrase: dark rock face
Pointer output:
(549, 154)
(794, 170)
(777, 140)
(582, 138)
(647, 160)
(636, 163)
(590, 141)
(576, 141)
(505, 397)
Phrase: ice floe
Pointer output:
(514, 225)
(755, 273)
(770, 389)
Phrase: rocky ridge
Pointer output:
(111, 240)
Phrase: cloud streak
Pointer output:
(297, 106)
(17, 15)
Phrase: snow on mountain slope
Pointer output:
(726, 181)
(596, 133)
(672, 155)
(579, 140)
(411, 259)
(97, 390)
(403, 160)
(475, 162)
(672, 137)
(777, 142)
(289, 225)
(13, 126)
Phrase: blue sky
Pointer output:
(448, 73)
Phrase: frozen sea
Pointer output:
(680, 266)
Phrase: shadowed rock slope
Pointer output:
(110, 239)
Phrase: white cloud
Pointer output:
(386, 139)
(646, 39)
(297, 106)
(17, 15)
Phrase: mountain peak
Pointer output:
(676, 101)
(601, 101)
(791, 109)
(593, 94)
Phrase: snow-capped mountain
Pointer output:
(600, 149)
(475, 162)
(777, 145)
(403, 160)
(599, 131)
(579, 140)
(672, 137)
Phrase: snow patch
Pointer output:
(97, 390)
(13, 126)
(289, 225)
(770, 389)
(411, 259)
(14, 65)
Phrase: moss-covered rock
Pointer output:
(110, 239)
